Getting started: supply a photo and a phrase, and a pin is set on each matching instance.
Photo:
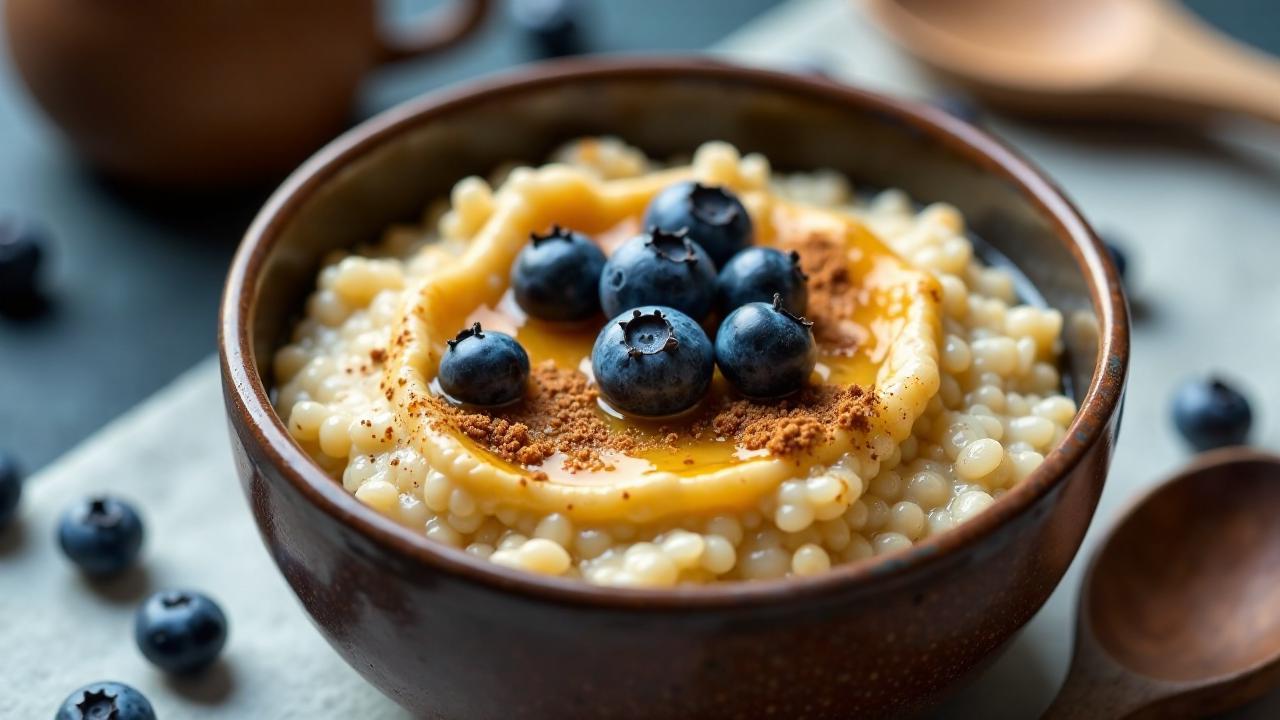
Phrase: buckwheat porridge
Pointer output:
(457, 379)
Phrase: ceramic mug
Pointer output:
(210, 92)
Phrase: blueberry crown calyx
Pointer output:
(1218, 385)
(98, 703)
(794, 255)
(557, 232)
(474, 331)
(711, 204)
(102, 514)
(648, 334)
(662, 242)
(779, 307)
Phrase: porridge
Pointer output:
(920, 389)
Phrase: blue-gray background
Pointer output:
(135, 278)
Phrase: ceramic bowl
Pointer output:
(450, 636)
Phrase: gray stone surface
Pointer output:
(1199, 216)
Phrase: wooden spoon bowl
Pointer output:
(1142, 59)
(1180, 611)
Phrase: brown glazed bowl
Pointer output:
(450, 636)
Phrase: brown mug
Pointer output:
(209, 92)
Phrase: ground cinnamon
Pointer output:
(824, 260)
(560, 416)
(795, 424)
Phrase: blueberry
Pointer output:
(550, 27)
(21, 252)
(10, 488)
(483, 367)
(765, 351)
(102, 535)
(757, 274)
(1210, 413)
(961, 107)
(659, 268)
(652, 361)
(557, 276)
(106, 701)
(1118, 257)
(180, 631)
(713, 216)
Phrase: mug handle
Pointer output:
(439, 30)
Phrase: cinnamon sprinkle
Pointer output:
(796, 424)
(560, 414)
(831, 291)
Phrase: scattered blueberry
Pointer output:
(557, 276)
(652, 361)
(22, 248)
(10, 488)
(1210, 414)
(960, 107)
(765, 351)
(1118, 256)
(102, 535)
(484, 367)
(106, 701)
(659, 268)
(713, 217)
(180, 631)
(551, 27)
(757, 274)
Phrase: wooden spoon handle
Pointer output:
(1086, 701)
(1097, 688)
(1196, 65)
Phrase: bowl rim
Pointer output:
(248, 401)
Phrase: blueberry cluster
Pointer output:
(180, 632)
(653, 358)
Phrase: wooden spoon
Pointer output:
(1180, 611)
(1144, 59)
